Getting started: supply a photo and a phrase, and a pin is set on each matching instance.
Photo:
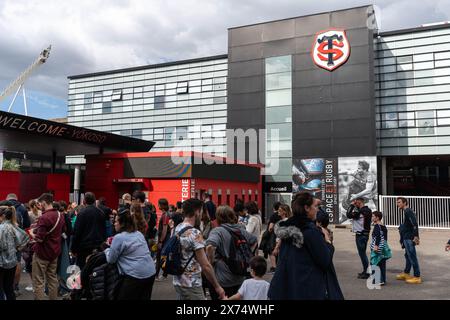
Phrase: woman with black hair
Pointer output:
(130, 251)
(305, 268)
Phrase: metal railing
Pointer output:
(431, 212)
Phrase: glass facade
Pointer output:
(177, 102)
(278, 115)
(413, 93)
(188, 101)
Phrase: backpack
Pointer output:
(240, 255)
(171, 255)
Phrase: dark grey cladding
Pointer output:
(333, 112)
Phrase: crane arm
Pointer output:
(26, 74)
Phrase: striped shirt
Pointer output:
(379, 237)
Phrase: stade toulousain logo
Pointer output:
(331, 49)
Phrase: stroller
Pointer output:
(99, 279)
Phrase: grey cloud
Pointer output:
(163, 31)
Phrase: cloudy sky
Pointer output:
(96, 35)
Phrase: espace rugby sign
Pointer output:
(330, 49)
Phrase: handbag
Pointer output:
(386, 253)
(22, 238)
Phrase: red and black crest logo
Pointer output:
(331, 49)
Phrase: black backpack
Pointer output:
(240, 255)
(171, 254)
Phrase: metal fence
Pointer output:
(431, 212)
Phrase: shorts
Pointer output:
(194, 293)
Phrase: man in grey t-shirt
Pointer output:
(218, 246)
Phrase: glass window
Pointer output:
(442, 63)
(278, 81)
(169, 136)
(443, 113)
(279, 98)
(279, 114)
(138, 92)
(406, 123)
(406, 119)
(207, 85)
(278, 64)
(149, 88)
(160, 87)
(195, 83)
(423, 65)
(220, 86)
(423, 57)
(404, 67)
(107, 95)
(206, 82)
(88, 99)
(426, 127)
(404, 59)
(126, 133)
(219, 100)
(160, 102)
(279, 178)
(182, 87)
(406, 115)
(220, 80)
(389, 116)
(443, 121)
(429, 114)
(442, 55)
(173, 85)
(425, 122)
(389, 124)
(106, 107)
(182, 133)
(136, 133)
(98, 96)
(117, 95)
(284, 131)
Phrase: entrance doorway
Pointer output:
(272, 198)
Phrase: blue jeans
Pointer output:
(382, 266)
(411, 258)
(361, 245)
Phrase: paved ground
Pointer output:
(434, 263)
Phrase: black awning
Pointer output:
(25, 134)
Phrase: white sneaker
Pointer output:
(160, 278)
(29, 289)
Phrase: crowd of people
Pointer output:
(220, 252)
(362, 218)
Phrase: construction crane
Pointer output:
(19, 83)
